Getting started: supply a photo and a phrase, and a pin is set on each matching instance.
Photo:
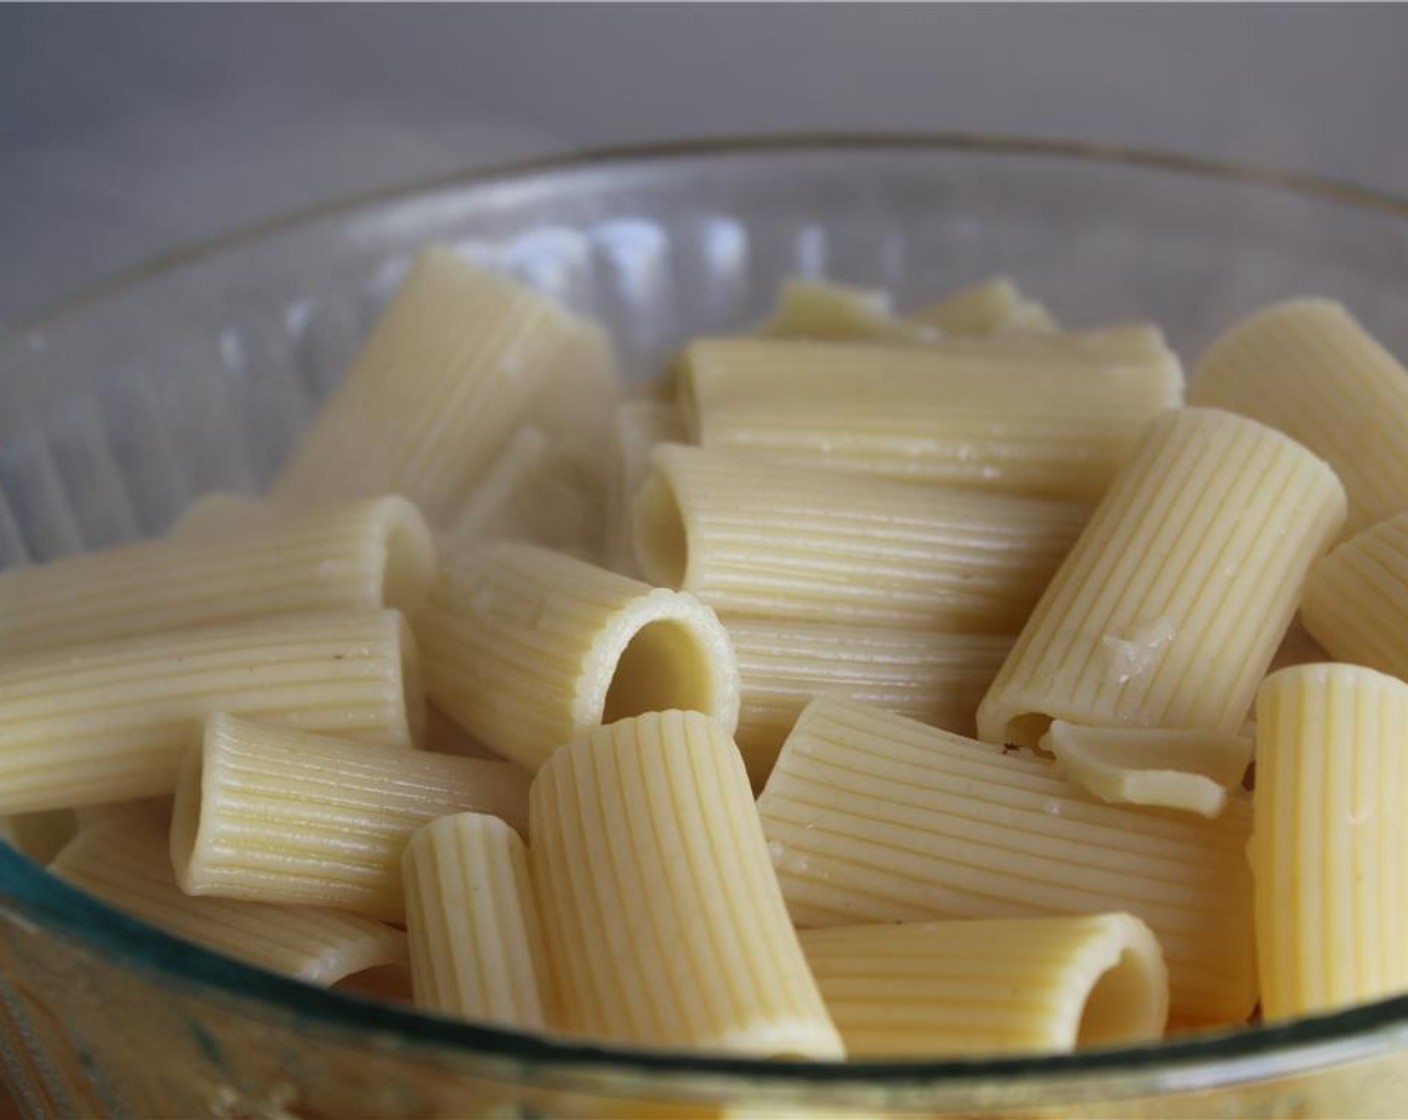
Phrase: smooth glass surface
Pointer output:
(117, 410)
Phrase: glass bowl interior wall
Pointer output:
(198, 373)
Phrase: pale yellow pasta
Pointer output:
(1327, 854)
(1023, 985)
(110, 721)
(934, 677)
(1308, 368)
(822, 309)
(1169, 608)
(1356, 598)
(124, 861)
(991, 307)
(661, 913)
(354, 556)
(640, 425)
(1193, 770)
(871, 817)
(154, 810)
(39, 835)
(1047, 417)
(220, 513)
(534, 493)
(273, 815)
(472, 924)
(753, 538)
(448, 374)
(444, 736)
(526, 648)
(575, 403)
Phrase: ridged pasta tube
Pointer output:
(757, 539)
(1169, 608)
(110, 721)
(444, 379)
(356, 556)
(526, 649)
(1308, 368)
(1017, 986)
(124, 862)
(661, 912)
(1048, 417)
(1356, 598)
(820, 309)
(472, 923)
(871, 817)
(1327, 854)
(272, 815)
(936, 678)
(222, 513)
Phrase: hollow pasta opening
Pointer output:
(664, 666)
(1026, 730)
(1117, 1008)
(186, 809)
(410, 560)
(662, 543)
(412, 686)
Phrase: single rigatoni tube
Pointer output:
(536, 494)
(1308, 368)
(871, 817)
(1327, 854)
(110, 721)
(1169, 608)
(936, 678)
(272, 815)
(1356, 599)
(1016, 986)
(1049, 417)
(526, 649)
(640, 425)
(355, 556)
(821, 309)
(1196, 771)
(472, 923)
(444, 379)
(661, 912)
(987, 308)
(757, 539)
(124, 861)
(39, 836)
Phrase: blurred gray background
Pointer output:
(127, 130)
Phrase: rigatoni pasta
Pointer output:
(472, 924)
(1356, 598)
(937, 678)
(640, 425)
(354, 556)
(1308, 368)
(1170, 606)
(660, 909)
(994, 306)
(758, 539)
(273, 815)
(1016, 986)
(110, 721)
(447, 375)
(871, 817)
(526, 648)
(123, 861)
(1045, 417)
(821, 309)
(1327, 854)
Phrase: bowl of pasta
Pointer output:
(818, 626)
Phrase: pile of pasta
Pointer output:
(867, 685)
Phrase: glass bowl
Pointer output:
(198, 371)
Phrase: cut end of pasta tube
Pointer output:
(187, 810)
(412, 683)
(1173, 769)
(1127, 998)
(410, 554)
(664, 651)
(661, 540)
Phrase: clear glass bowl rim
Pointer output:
(33, 896)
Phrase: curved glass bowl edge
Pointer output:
(1220, 1060)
